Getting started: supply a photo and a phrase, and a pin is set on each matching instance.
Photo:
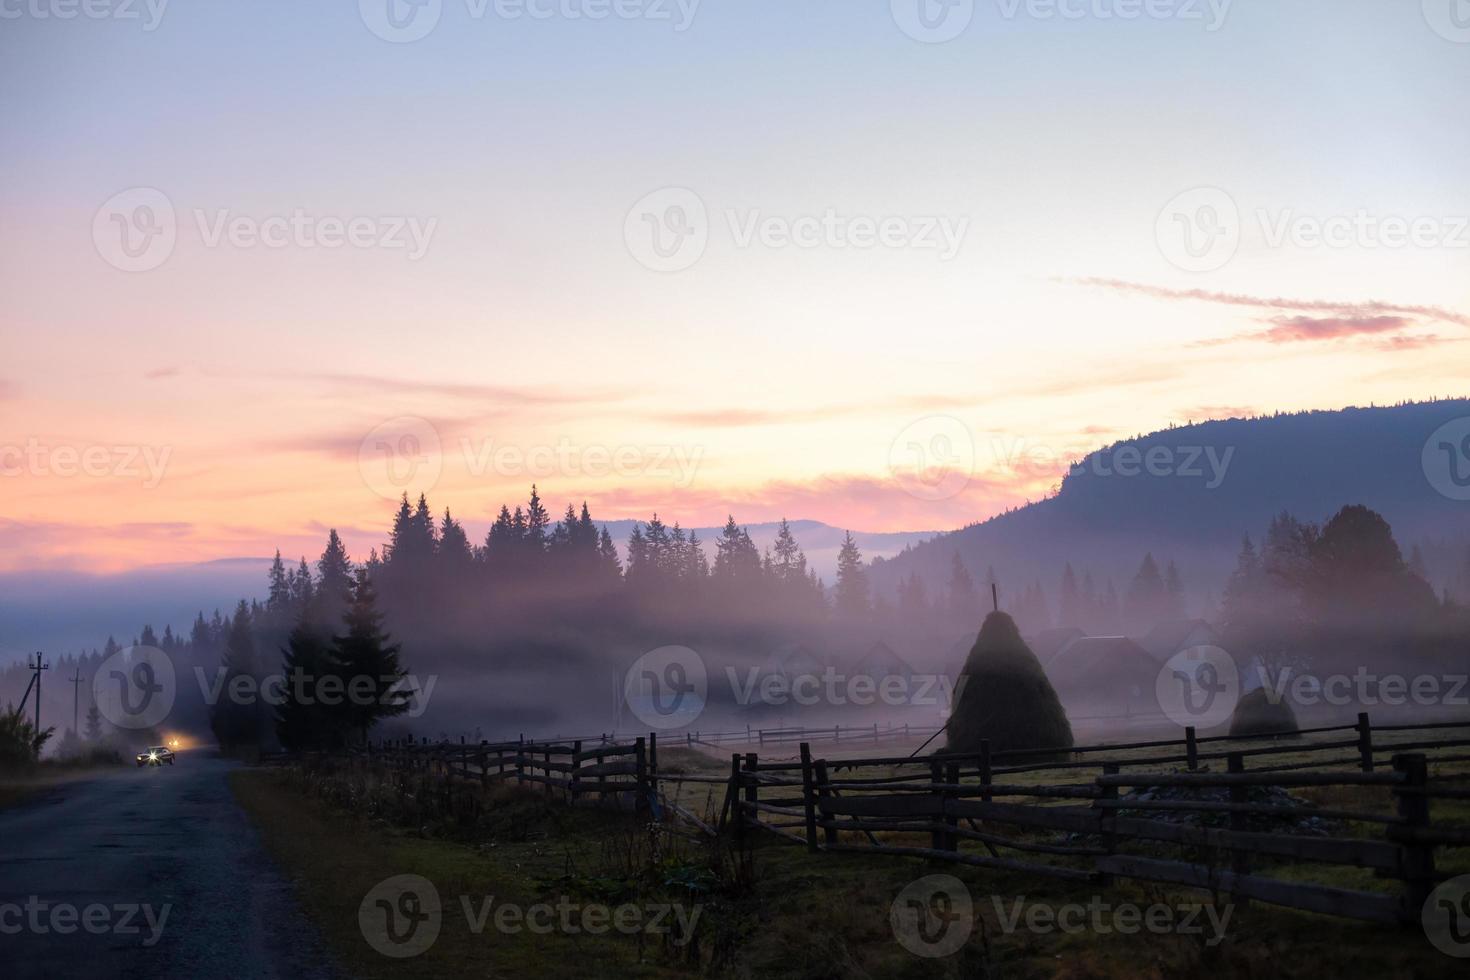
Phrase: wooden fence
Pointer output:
(1081, 829)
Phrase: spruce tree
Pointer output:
(236, 723)
(93, 727)
(852, 580)
(303, 721)
(369, 663)
(964, 603)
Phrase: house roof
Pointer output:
(882, 655)
(1171, 636)
(1046, 643)
(1092, 655)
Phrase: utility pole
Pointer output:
(35, 668)
(76, 693)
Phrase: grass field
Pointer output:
(780, 913)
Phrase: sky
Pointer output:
(266, 265)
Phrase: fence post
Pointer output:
(1107, 818)
(752, 788)
(823, 792)
(653, 764)
(731, 809)
(1191, 748)
(640, 756)
(1365, 741)
(808, 797)
(1418, 857)
(547, 771)
(484, 764)
(1239, 822)
(575, 777)
(936, 776)
(952, 776)
(521, 760)
(985, 775)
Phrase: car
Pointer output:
(156, 755)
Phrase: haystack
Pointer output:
(1256, 714)
(1004, 696)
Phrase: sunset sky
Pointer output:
(234, 396)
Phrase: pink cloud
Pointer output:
(1288, 329)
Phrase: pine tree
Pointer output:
(536, 521)
(1174, 589)
(454, 556)
(964, 602)
(302, 589)
(334, 580)
(1071, 611)
(279, 598)
(236, 724)
(368, 660)
(93, 728)
(852, 580)
(303, 719)
(1147, 601)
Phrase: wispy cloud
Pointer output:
(1365, 309)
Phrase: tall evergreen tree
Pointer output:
(964, 601)
(852, 580)
(368, 660)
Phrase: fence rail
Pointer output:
(954, 799)
(949, 800)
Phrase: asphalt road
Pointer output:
(152, 872)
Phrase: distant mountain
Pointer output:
(62, 612)
(1189, 493)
